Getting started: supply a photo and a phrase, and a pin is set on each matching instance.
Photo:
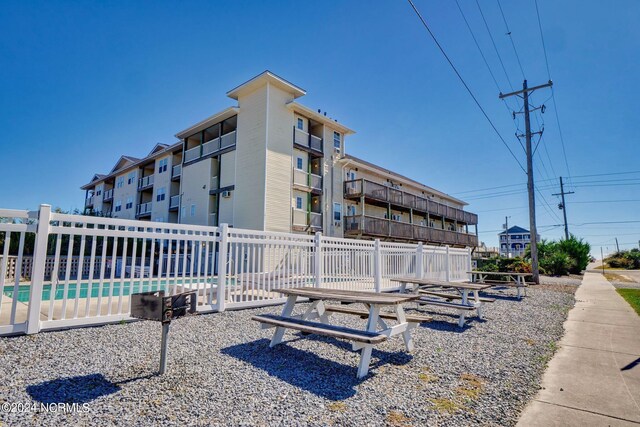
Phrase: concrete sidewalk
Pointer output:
(594, 378)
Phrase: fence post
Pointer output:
(420, 261)
(317, 259)
(447, 263)
(377, 266)
(222, 266)
(470, 264)
(37, 274)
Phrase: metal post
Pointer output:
(37, 278)
(377, 266)
(222, 266)
(163, 347)
(317, 259)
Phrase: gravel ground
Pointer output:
(221, 371)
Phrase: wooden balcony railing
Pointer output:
(381, 227)
(373, 190)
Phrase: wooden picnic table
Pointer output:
(462, 288)
(511, 277)
(376, 330)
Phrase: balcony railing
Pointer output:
(213, 183)
(315, 220)
(309, 180)
(145, 182)
(176, 171)
(174, 201)
(225, 141)
(307, 140)
(88, 202)
(381, 227)
(143, 208)
(373, 190)
(304, 219)
(108, 195)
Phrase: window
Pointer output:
(129, 202)
(193, 210)
(118, 207)
(131, 178)
(299, 163)
(336, 140)
(161, 194)
(162, 165)
(300, 124)
(120, 182)
(396, 217)
(298, 202)
(337, 212)
(98, 191)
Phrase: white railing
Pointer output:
(316, 181)
(315, 219)
(145, 181)
(213, 183)
(192, 154)
(83, 269)
(210, 146)
(143, 208)
(176, 171)
(88, 201)
(228, 139)
(174, 201)
(300, 178)
(300, 217)
(108, 194)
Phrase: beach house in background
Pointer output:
(514, 241)
(270, 163)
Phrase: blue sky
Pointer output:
(83, 82)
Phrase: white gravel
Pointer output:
(221, 371)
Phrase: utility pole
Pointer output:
(530, 185)
(617, 246)
(563, 206)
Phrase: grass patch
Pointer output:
(397, 419)
(337, 406)
(632, 296)
(529, 341)
(426, 376)
(445, 405)
(614, 277)
(471, 388)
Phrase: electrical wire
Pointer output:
(511, 38)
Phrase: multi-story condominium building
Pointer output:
(270, 163)
(514, 241)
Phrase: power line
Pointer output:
(424, 23)
(606, 201)
(511, 38)
(494, 46)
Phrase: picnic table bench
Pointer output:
(512, 279)
(426, 290)
(375, 332)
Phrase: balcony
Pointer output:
(213, 183)
(384, 228)
(378, 193)
(217, 144)
(307, 181)
(306, 140)
(143, 209)
(176, 171)
(108, 195)
(145, 182)
(88, 202)
(305, 221)
(174, 202)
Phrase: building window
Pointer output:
(337, 212)
(300, 123)
(298, 202)
(396, 217)
(131, 178)
(160, 195)
(336, 140)
(118, 207)
(299, 163)
(162, 165)
(120, 182)
(193, 210)
(129, 202)
(98, 191)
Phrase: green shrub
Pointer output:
(557, 264)
(577, 251)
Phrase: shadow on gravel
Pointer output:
(306, 370)
(80, 389)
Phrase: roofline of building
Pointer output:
(113, 174)
(299, 108)
(209, 121)
(269, 77)
(348, 158)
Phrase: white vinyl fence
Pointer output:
(83, 269)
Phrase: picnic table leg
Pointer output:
(479, 304)
(465, 301)
(406, 335)
(365, 355)
(286, 312)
